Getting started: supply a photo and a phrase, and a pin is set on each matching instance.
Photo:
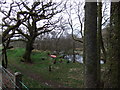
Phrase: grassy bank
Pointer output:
(37, 75)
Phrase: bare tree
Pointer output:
(75, 14)
(8, 26)
(38, 18)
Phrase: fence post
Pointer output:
(18, 80)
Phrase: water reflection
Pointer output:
(78, 58)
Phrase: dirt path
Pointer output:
(41, 79)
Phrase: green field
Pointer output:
(37, 74)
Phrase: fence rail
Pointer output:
(10, 80)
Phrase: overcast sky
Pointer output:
(66, 16)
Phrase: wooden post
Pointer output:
(18, 80)
(50, 68)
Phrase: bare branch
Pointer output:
(25, 35)
(15, 40)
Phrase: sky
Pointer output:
(66, 15)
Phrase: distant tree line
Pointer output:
(63, 44)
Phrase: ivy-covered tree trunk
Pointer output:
(91, 45)
(114, 48)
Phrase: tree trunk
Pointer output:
(114, 48)
(4, 53)
(91, 45)
(74, 56)
(99, 37)
(4, 58)
(27, 54)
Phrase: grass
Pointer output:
(67, 74)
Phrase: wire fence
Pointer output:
(9, 80)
